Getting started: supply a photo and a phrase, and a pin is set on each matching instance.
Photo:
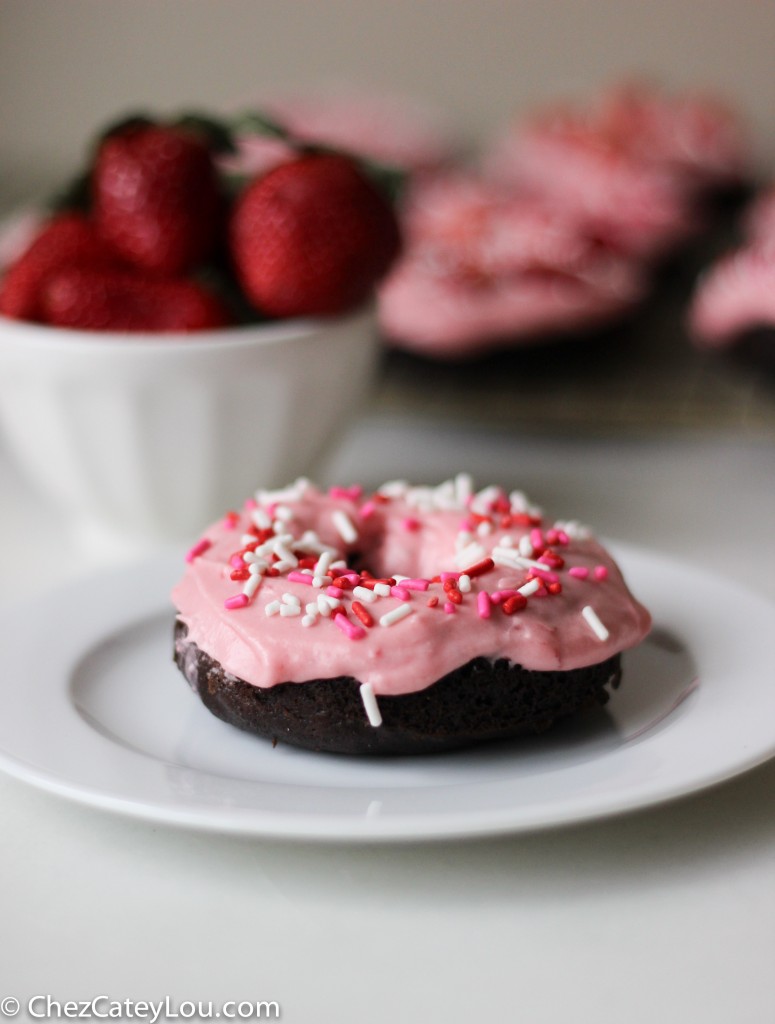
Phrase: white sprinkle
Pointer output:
(283, 513)
(518, 501)
(261, 518)
(287, 610)
(382, 589)
(319, 581)
(463, 488)
(506, 559)
(399, 578)
(324, 562)
(529, 588)
(312, 608)
(284, 566)
(285, 554)
(396, 614)
(526, 548)
(484, 529)
(323, 606)
(344, 526)
(594, 623)
(247, 538)
(291, 599)
(394, 488)
(364, 594)
(464, 584)
(469, 555)
(272, 608)
(463, 538)
(506, 542)
(309, 620)
(311, 542)
(370, 704)
(252, 584)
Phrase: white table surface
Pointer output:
(664, 915)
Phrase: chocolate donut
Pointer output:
(409, 620)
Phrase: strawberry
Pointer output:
(156, 197)
(66, 240)
(312, 237)
(119, 300)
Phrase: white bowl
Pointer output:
(150, 437)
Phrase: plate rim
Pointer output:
(335, 827)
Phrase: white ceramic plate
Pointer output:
(93, 709)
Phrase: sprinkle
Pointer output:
(309, 620)
(367, 509)
(545, 574)
(410, 524)
(300, 577)
(395, 615)
(382, 589)
(484, 529)
(346, 580)
(350, 493)
(514, 603)
(601, 573)
(252, 585)
(579, 572)
(236, 561)
(418, 584)
(261, 518)
(312, 608)
(445, 576)
(239, 574)
(236, 601)
(433, 601)
(230, 521)
(525, 547)
(334, 591)
(370, 705)
(272, 608)
(529, 588)
(536, 538)
(594, 623)
(288, 610)
(324, 562)
(364, 594)
(344, 526)
(479, 568)
(323, 606)
(449, 608)
(464, 584)
(349, 629)
(454, 595)
(470, 553)
(199, 549)
(362, 613)
(400, 592)
(291, 599)
(554, 588)
(483, 604)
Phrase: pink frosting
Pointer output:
(735, 295)
(418, 533)
(633, 163)
(485, 266)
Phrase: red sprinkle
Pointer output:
(239, 574)
(433, 601)
(479, 568)
(230, 520)
(554, 588)
(411, 524)
(343, 582)
(363, 613)
(454, 596)
(515, 603)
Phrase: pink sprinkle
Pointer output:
(496, 597)
(483, 604)
(562, 537)
(237, 601)
(349, 628)
(333, 591)
(199, 549)
(415, 584)
(536, 538)
(230, 521)
(353, 577)
(410, 524)
(400, 592)
(250, 504)
(449, 576)
(552, 536)
(449, 608)
(601, 573)
(237, 562)
(367, 509)
(300, 577)
(465, 526)
(580, 572)
(502, 595)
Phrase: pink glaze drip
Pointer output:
(546, 634)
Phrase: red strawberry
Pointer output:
(312, 237)
(110, 300)
(156, 198)
(65, 241)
